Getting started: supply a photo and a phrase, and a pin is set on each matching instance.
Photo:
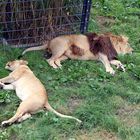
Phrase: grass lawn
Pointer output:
(109, 106)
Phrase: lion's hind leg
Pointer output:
(51, 62)
(58, 61)
(58, 49)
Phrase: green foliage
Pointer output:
(116, 8)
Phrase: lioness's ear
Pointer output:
(23, 62)
(26, 62)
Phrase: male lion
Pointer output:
(91, 46)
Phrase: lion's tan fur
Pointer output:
(120, 43)
(78, 47)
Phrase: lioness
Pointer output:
(103, 47)
(29, 89)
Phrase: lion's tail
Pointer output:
(48, 107)
(42, 47)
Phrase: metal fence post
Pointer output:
(85, 15)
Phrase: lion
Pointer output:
(91, 46)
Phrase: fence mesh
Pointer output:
(31, 22)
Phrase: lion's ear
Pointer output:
(23, 62)
(124, 37)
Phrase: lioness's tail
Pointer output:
(48, 107)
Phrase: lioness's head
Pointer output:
(120, 43)
(12, 65)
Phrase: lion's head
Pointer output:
(120, 43)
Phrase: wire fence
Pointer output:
(31, 22)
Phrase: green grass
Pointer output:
(108, 106)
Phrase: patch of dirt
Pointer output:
(104, 21)
(63, 110)
(73, 103)
(127, 114)
(104, 135)
(14, 137)
(99, 135)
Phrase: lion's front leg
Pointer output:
(104, 59)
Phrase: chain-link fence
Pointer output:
(31, 22)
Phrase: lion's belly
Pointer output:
(22, 94)
(87, 55)
(22, 89)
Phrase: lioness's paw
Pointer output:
(1, 85)
(5, 123)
